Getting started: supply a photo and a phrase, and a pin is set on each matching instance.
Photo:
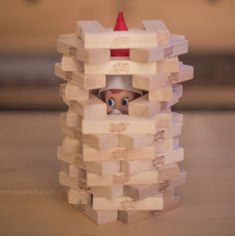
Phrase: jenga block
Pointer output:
(109, 192)
(165, 93)
(166, 145)
(74, 171)
(68, 131)
(135, 166)
(151, 82)
(121, 153)
(121, 178)
(71, 145)
(162, 134)
(142, 107)
(99, 217)
(135, 141)
(124, 124)
(126, 203)
(120, 39)
(91, 108)
(72, 182)
(72, 46)
(70, 64)
(168, 172)
(88, 26)
(139, 192)
(176, 46)
(101, 141)
(177, 94)
(122, 66)
(168, 65)
(77, 181)
(117, 124)
(73, 93)
(103, 168)
(72, 119)
(100, 168)
(78, 197)
(130, 217)
(116, 153)
(73, 159)
(159, 27)
(131, 141)
(80, 79)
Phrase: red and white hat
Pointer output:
(120, 81)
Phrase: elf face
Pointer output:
(117, 100)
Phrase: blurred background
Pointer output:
(29, 30)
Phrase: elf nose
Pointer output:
(116, 112)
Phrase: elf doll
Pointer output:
(119, 91)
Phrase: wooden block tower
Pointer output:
(121, 166)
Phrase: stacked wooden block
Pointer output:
(122, 167)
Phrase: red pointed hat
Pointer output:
(120, 26)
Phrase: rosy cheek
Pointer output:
(109, 109)
(125, 110)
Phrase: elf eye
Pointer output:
(125, 101)
(111, 102)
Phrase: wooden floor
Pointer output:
(32, 202)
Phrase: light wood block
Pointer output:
(72, 46)
(74, 159)
(119, 66)
(103, 168)
(131, 141)
(66, 130)
(80, 79)
(151, 82)
(125, 124)
(122, 66)
(135, 166)
(100, 168)
(71, 145)
(135, 141)
(78, 183)
(168, 65)
(175, 47)
(145, 177)
(108, 192)
(73, 93)
(76, 197)
(75, 183)
(142, 107)
(130, 217)
(99, 217)
(118, 124)
(101, 141)
(94, 107)
(162, 134)
(69, 64)
(126, 203)
(159, 27)
(74, 171)
(139, 192)
(165, 94)
(120, 39)
(88, 26)
(72, 119)
(168, 172)
(116, 153)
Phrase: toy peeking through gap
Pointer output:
(119, 91)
